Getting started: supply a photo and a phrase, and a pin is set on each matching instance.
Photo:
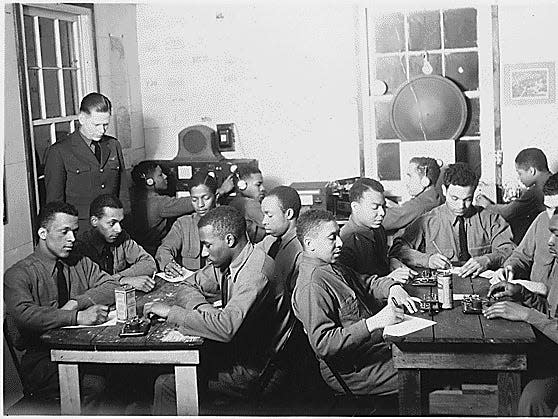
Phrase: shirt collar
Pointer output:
(308, 260)
(369, 233)
(289, 236)
(237, 264)
(87, 140)
(45, 258)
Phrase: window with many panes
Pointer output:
(447, 38)
(57, 52)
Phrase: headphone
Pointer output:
(148, 181)
(240, 183)
(424, 181)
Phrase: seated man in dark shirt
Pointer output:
(112, 248)
(365, 246)
(51, 288)
(540, 395)
(235, 299)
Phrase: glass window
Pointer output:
(48, 52)
(390, 33)
(460, 28)
(424, 31)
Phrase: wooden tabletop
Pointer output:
(454, 327)
(106, 337)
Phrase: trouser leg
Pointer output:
(539, 397)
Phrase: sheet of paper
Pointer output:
(111, 321)
(486, 274)
(180, 278)
(176, 336)
(409, 325)
(536, 287)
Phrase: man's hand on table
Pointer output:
(438, 261)
(504, 274)
(173, 269)
(390, 314)
(70, 305)
(474, 266)
(505, 289)
(159, 309)
(95, 314)
(402, 275)
(143, 282)
(402, 298)
(507, 310)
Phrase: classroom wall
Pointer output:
(17, 240)
(284, 73)
(117, 66)
(528, 34)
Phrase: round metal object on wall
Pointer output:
(428, 108)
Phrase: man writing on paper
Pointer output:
(344, 312)
(540, 396)
(51, 288)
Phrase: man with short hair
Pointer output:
(86, 163)
(112, 248)
(281, 208)
(235, 299)
(343, 312)
(51, 288)
(540, 395)
(365, 247)
(456, 232)
(532, 257)
(250, 193)
(532, 169)
(422, 179)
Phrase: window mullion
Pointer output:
(39, 59)
(77, 62)
(59, 71)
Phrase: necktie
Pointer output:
(97, 148)
(107, 260)
(463, 249)
(225, 287)
(63, 294)
(272, 252)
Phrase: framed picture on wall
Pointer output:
(529, 83)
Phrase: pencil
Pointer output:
(394, 301)
(437, 248)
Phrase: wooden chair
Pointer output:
(29, 404)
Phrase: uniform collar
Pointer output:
(45, 258)
(309, 260)
(289, 236)
(238, 263)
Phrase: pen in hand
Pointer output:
(395, 303)
(440, 252)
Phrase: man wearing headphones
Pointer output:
(153, 212)
(250, 193)
(422, 177)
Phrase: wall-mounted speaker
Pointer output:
(198, 143)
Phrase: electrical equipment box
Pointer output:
(313, 195)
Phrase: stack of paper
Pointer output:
(180, 278)
(536, 287)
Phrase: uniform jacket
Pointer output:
(182, 244)
(487, 234)
(31, 293)
(254, 320)
(364, 249)
(73, 174)
(130, 259)
(288, 257)
(334, 320)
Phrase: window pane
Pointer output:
(34, 94)
(384, 130)
(463, 68)
(391, 70)
(472, 128)
(29, 41)
(51, 93)
(62, 129)
(416, 63)
(66, 43)
(460, 28)
(424, 31)
(41, 134)
(390, 35)
(46, 30)
(389, 167)
(70, 91)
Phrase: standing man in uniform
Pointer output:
(87, 163)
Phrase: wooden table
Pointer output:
(71, 347)
(461, 342)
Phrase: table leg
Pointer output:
(412, 401)
(509, 391)
(186, 390)
(68, 377)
